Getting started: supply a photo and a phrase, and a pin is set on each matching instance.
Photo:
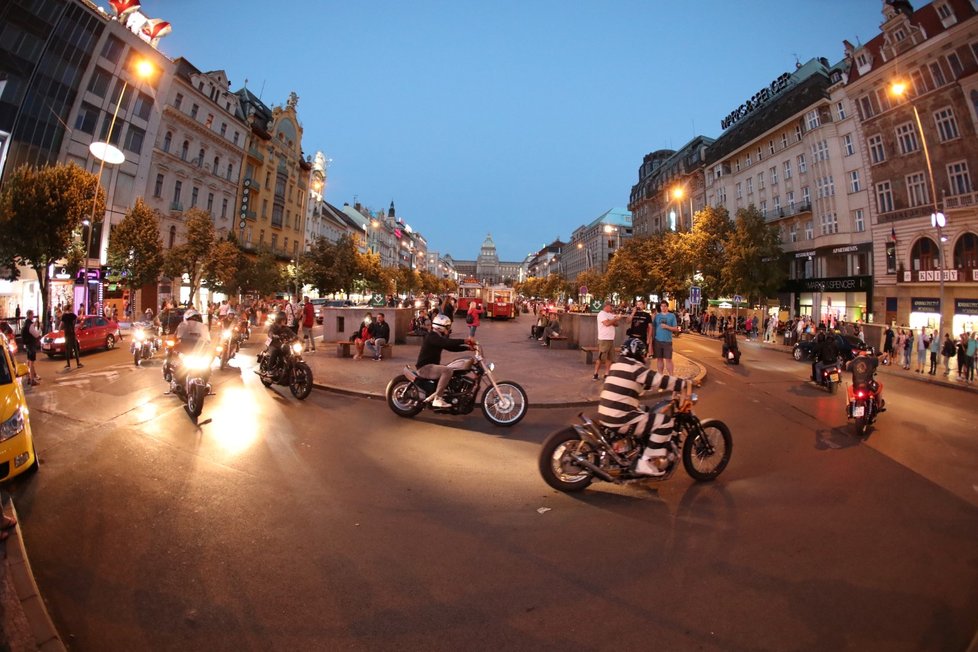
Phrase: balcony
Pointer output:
(254, 153)
(176, 206)
(961, 201)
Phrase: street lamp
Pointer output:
(609, 229)
(899, 89)
(108, 153)
(678, 193)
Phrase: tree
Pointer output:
(333, 266)
(712, 227)
(261, 275)
(594, 281)
(641, 267)
(41, 210)
(136, 248)
(192, 256)
(752, 252)
(222, 267)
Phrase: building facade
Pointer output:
(487, 268)
(670, 189)
(925, 275)
(593, 245)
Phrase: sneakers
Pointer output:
(653, 466)
(595, 377)
(439, 403)
(378, 357)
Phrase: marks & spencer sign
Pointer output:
(760, 98)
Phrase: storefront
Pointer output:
(841, 299)
(965, 317)
(925, 312)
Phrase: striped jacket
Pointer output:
(627, 381)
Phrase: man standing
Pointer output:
(31, 336)
(67, 326)
(292, 316)
(380, 334)
(664, 325)
(641, 325)
(308, 320)
(607, 321)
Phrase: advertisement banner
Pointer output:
(966, 306)
(925, 304)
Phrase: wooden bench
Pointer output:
(344, 349)
(558, 341)
(589, 352)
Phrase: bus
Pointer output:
(469, 290)
(500, 302)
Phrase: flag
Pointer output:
(893, 234)
(123, 8)
(155, 29)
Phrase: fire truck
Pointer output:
(500, 302)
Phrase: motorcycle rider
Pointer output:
(191, 337)
(619, 407)
(429, 357)
(279, 333)
(826, 354)
(863, 368)
(730, 344)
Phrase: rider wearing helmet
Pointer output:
(192, 336)
(619, 407)
(429, 358)
(279, 333)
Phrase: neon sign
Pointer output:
(759, 99)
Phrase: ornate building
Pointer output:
(487, 268)
(669, 189)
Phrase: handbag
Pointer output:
(470, 318)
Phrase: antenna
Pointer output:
(262, 89)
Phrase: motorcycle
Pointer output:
(503, 403)
(573, 457)
(731, 355)
(244, 332)
(145, 342)
(291, 370)
(829, 378)
(194, 386)
(863, 398)
(228, 344)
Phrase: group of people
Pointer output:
(898, 348)
(655, 332)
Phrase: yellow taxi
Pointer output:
(17, 453)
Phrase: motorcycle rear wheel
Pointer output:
(403, 398)
(505, 407)
(300, 384)
(558, 468)
(705, 460)
(861, 426)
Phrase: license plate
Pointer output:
(268, 341)
(45, 346)
(834, 377)
(858, 410)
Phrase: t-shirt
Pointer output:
(972, 347)
(620, 394)
(68, 321)
(605, 332)
(308, 315)
(640, 325)
(664, 319)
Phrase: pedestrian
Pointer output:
(971, 350)
(67, 326)
(379, 333)
(887, 344)
(293, 316)
(640, 325)
(923, 343)
(308, 321)
(934, 348)
(472, 317)
(907, 349)
(361, 336)
(30, 335)
(961, 348)
(552, 328)
(607, 321)
(947, 351)
(664, 325)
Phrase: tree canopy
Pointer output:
(136, 248)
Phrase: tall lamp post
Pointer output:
(106, 152)
(937, 219)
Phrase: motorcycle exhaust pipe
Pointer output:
(596, 470)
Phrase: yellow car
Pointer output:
(17, 453)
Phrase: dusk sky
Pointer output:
(521, 118)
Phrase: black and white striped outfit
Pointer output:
(619, 407)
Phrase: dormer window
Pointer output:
(861, 60)
(899, 35)
(947, 14)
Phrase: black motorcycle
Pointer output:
(228, 342)
(145, 342)
(291, 370)
(829, 378)
(503, 402)
(189, 376)
(863, 400)
(572, 458)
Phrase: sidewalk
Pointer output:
(551, 377)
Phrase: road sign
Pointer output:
(694, 294)
(583, 290)
(738, 299)
(596, 305)
(378, 301)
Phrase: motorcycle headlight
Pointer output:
(14, 425)
(491, 366)
(139, 336)
(297, 347)
(196, 362)
(226, 335)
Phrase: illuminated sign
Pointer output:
(760, 98)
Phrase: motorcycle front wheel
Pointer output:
(301, 382)
(504, 404)
(135, 357)
(706, 454)
(403, 398)
(263, 370)
(557, 465)
(195, 400)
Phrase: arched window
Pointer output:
(184, 150)
(924, 256)
(966, 251)
(173, 236)
(200, 157)
(229, 171)
(167, 139)
(217, 164)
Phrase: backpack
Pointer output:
(469, 318)
(26, 337)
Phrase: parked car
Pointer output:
(846, 344)
(17, 453)
(92, 333)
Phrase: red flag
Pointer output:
(123, 8)
(156, 28)
(893, 233)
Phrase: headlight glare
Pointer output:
(297, 347)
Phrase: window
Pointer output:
(866, 107)
(200, 157)
(809, 229)
(230, 171)
(167, 140)
(854, 185)
(134, 139)
(774, 175)
(787, 170)
(784, 140)
(793, 232)
(224, 207)
(806, 199)
(277, 215)
(954, 63)
(777, 203)
(740, 190)
(958, 177)
(791, 201)
(829, 224)
(820, 151)
(876, 153)
(224, 128)
(947, 127)
(193, 110)
(143, 106)
(883, 99)
(748, 160)
(802, 165)
(966, 251)
(798, 133)
(858, 221)
(918, 82)
(937, 73)
(158, 188)
(264, 208)
(944, 12)
(87, 118)
(917, 189)
(177, 187)
(884, 197)
(760, 181)
(194, 193)
(210, 202)
(840, 110)
(764, 207)
(235, 138)
(770, 146)
(116, 131)
(924, 255)
(811, 119)
(113, 49)
(847, 145)
(750, 185)
(217, 164)
(99, 82)
(178, 100)
(907, 137)
(173, 237)
(274, 241)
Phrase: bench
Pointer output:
(558, 341)
(589, 352)
(344, 349)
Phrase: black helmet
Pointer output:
(280, 317)
(634, 348)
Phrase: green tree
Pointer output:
(712, 227)
(191, 257)
(261, 275)
(641, 267)
(136, 248)
(333, 266)
(222, 268)
(752, 253)
(41, 210)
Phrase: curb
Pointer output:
(45, 636)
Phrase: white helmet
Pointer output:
(192, 314)
(442, 323)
